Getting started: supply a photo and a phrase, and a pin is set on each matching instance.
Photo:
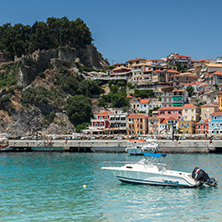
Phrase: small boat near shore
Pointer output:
(148, 171)
(141, 146)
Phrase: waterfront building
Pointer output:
(154, 124)
(117, 120)
(171, 111)
(100, 123)
(191, 113)
(137, 124)
(215, 123)
(186, 127)
(169, 125)
(207, 110)
(202, 127)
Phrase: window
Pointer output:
(101, 124)
(168, 112)
(185, 110)
(192, 110)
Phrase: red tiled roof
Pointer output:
(172, 71)
(216, 113)
(104, 113)
(189, 106)
(203, 60)
(189, 84)
(137, 115)
(144, 100)
(170, 108)
(179, 90)
(209, 105)
(174, 76)
(137, 59)
(182, 56)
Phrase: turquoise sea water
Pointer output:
(49, 187)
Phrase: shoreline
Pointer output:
(118, 146)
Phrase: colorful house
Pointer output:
(191, 112)
(215, 123)
(100, 123)
(171, 111)
(207, 110)
(186, 127)
(137, 124)
(202, 127)
(144, 105)
(154, 124)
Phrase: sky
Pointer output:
(124, 30)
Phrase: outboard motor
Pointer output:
(200, 175)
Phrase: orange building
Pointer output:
(137, 124)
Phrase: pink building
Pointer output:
(171, 111)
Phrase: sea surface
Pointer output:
(44, 186)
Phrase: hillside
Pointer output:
(36, 87)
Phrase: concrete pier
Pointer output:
(166, 146)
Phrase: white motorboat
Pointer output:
(141, 146)
(147, 171)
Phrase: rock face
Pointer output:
(28, 122)
(31, 122)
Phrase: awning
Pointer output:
(177, 104)
(177, 97)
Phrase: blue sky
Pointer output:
(125, 30)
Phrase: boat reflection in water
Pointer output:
(149, 171)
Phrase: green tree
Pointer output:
(190, 90)
(81, 127)
(79, 109)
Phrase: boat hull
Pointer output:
(163, 178)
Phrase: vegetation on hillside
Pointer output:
(24, 39)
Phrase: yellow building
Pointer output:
(137, 124)
(186, 127)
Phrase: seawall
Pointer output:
(166, 146)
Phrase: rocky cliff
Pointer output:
(39, 69)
